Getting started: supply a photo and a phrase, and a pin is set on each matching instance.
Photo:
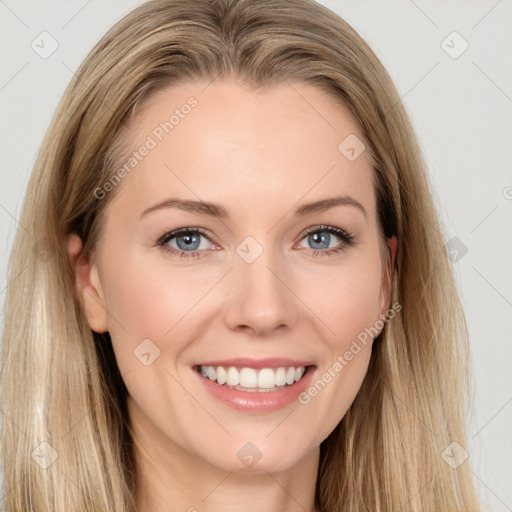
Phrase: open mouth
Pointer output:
(254, 380)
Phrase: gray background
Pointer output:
(461, 107)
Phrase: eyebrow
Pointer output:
(217, 210)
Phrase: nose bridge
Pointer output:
(259, 300)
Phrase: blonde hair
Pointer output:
(60, 383)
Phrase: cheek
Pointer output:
(146, 301)
(345, 297)
(149, 305)
(349, 306)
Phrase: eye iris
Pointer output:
(189, 240)
(319, 238)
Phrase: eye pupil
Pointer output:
(188, 239)
(319, 238)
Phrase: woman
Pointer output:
(179, 336)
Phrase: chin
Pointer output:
(258, 456)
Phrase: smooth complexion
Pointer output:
(261, 155)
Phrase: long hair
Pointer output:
(66, 442)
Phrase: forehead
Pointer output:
(257, 147)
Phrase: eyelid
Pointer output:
(345, 235)
(176, 232)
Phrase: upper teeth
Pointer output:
(265, 378)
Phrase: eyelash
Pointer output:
(346, 237)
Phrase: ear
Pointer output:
(387, 275)
(88, 288)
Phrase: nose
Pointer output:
(261, 300)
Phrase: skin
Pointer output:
(260, 154)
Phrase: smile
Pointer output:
(257, 386)
(251, 379)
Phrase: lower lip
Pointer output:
(255, 401)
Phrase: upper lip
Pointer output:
(246, 362)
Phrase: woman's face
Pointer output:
(271, 277)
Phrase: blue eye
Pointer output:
(193, 242)
(321, 238)
(188, 242)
